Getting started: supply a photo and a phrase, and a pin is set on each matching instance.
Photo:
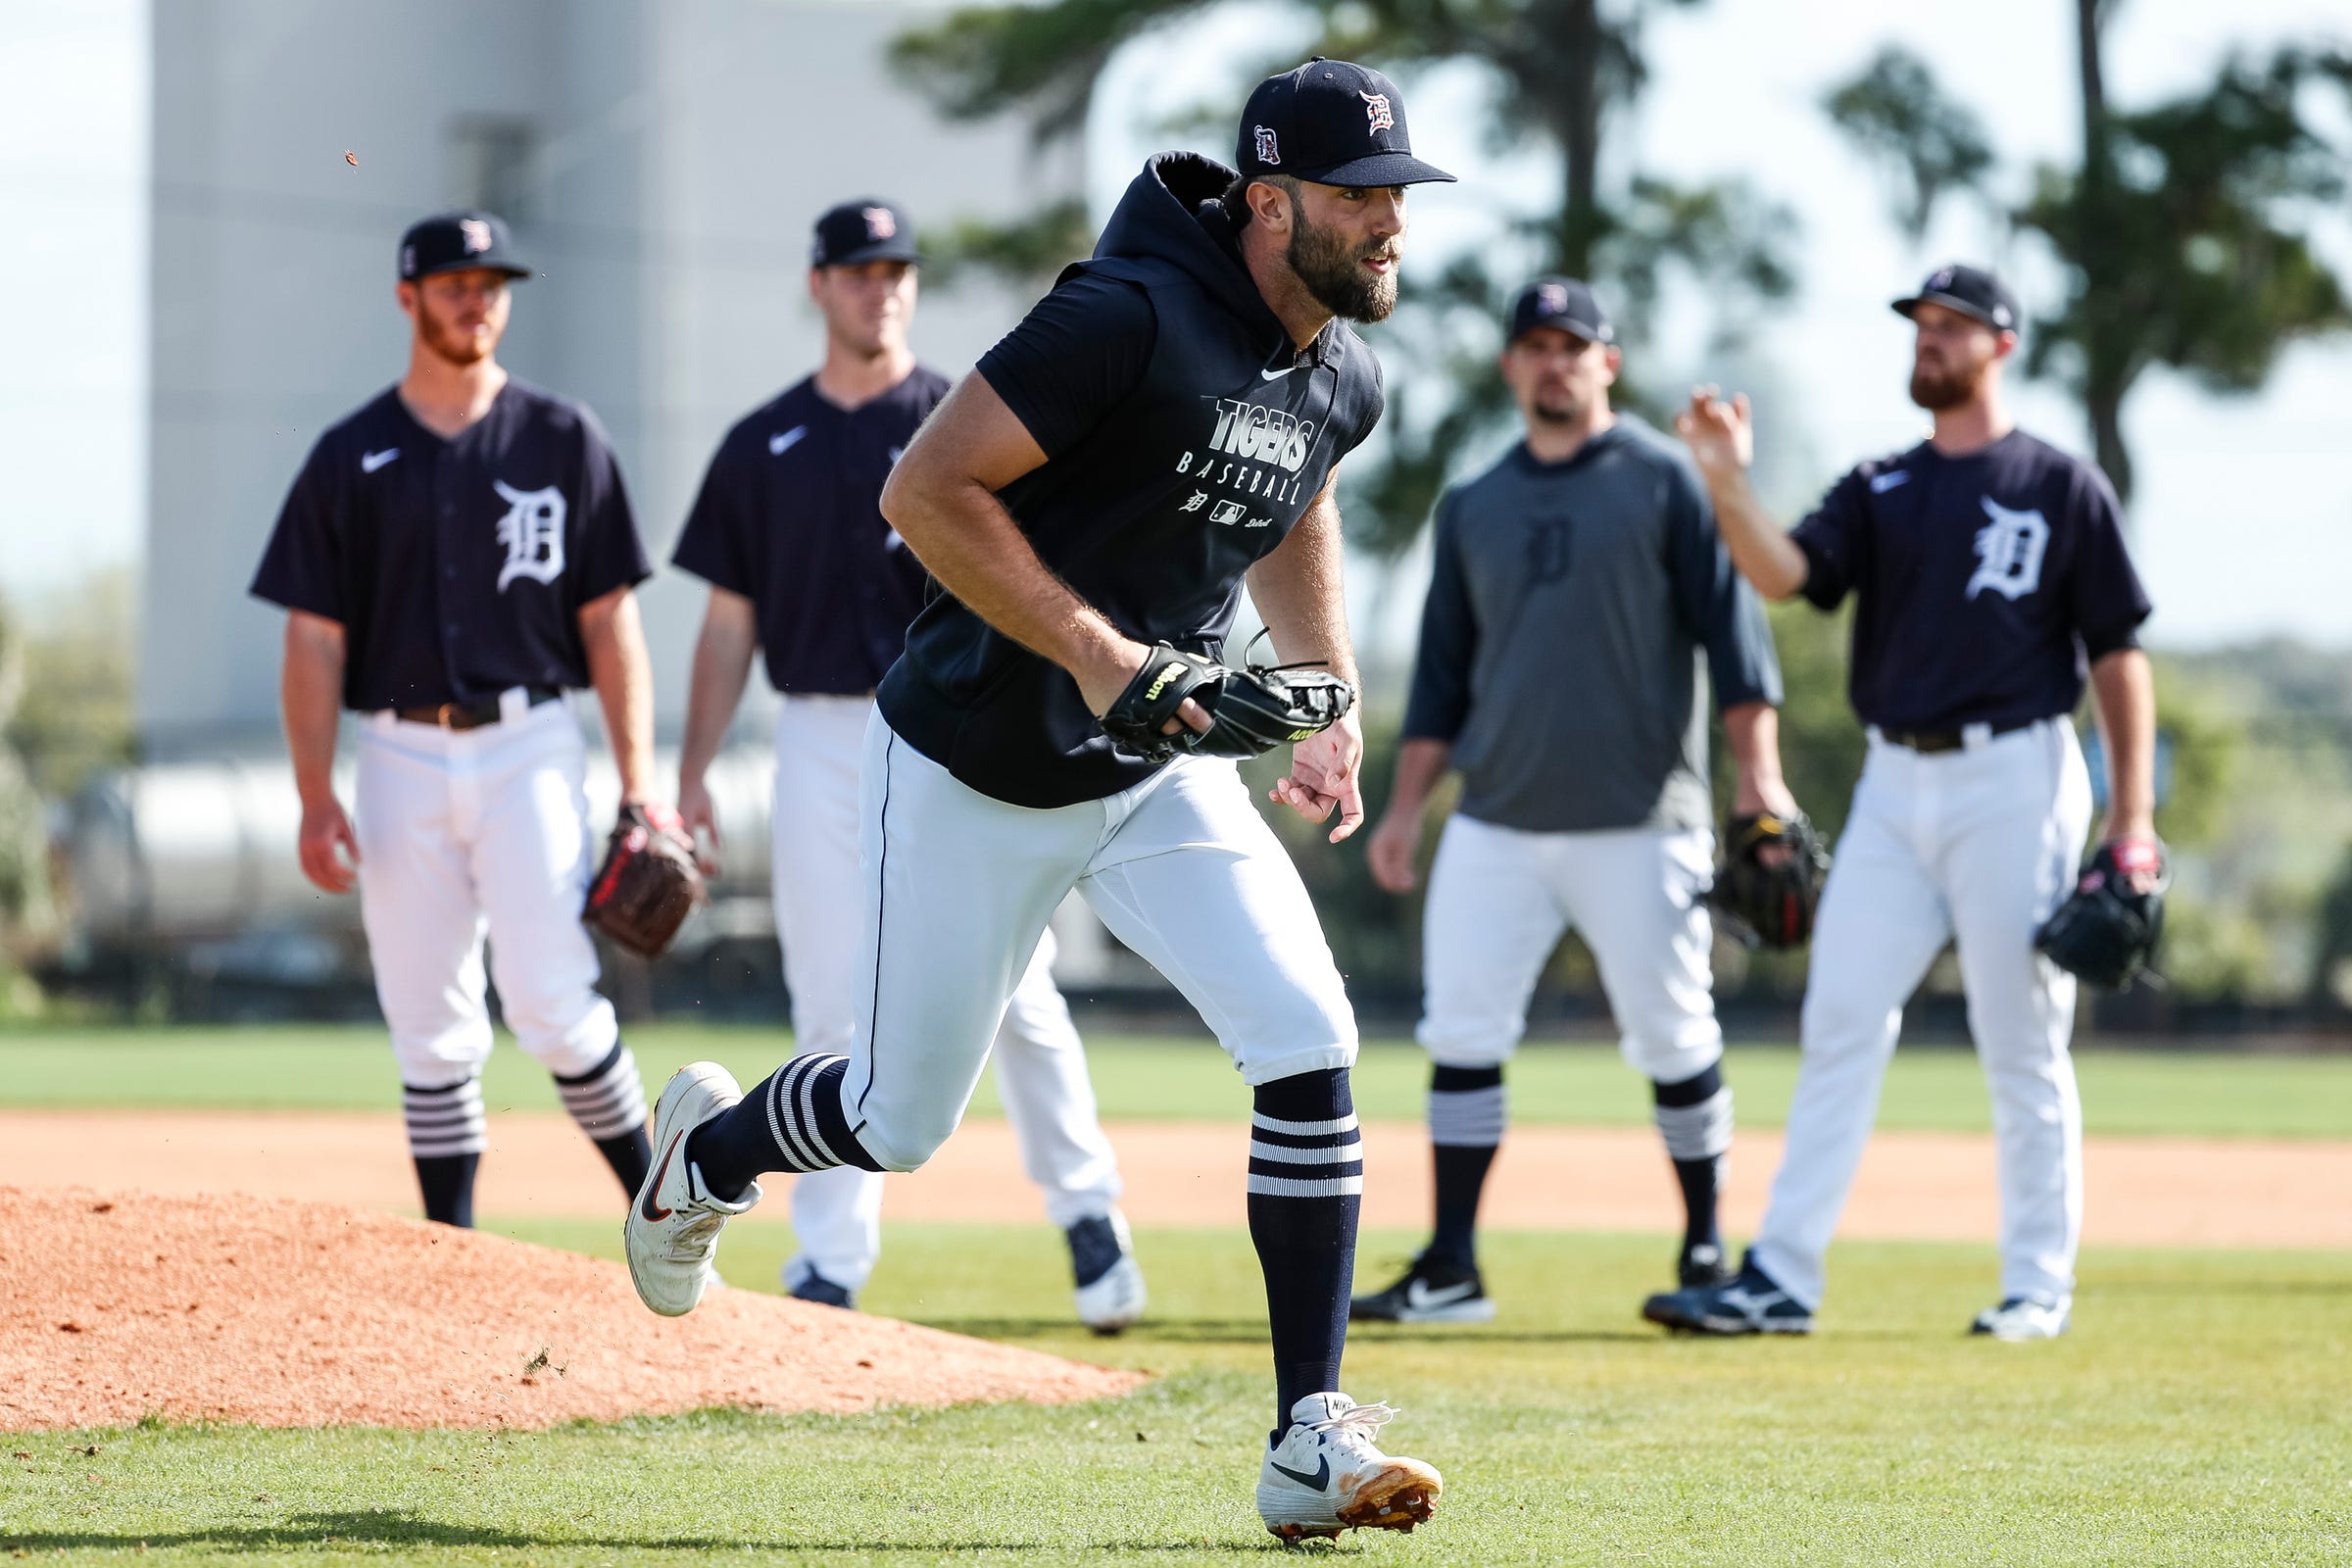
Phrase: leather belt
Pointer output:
(470, 715)
(1931, 742)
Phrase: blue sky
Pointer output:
(2244, 515)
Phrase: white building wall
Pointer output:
(679, 151)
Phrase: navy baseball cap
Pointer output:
(1566, 303)
(456, 242)
(868, 229)
(1333, 123)
(1970, 290)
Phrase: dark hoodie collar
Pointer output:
(1174, 213)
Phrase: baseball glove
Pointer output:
(649, 882)
(2107, 928)
(1250, 711)
(1770, 881)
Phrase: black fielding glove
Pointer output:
(1769, 885)
(2107, 929)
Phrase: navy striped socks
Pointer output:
(607, 1101)
(793, 1121)
(1467, 1113)
(1306, 1183)
(447, 1134)
(1694, 1117)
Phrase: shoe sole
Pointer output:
(1399, 1497)
(666, 1111)
(1723, 1328)
(1481, 1310)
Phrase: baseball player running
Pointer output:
(455, 558)
(789, 533)
(1162, 430)
(1991, 576)
(1590, 547)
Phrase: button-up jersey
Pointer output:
(1984, 583)
(790, 518)
(456, 567)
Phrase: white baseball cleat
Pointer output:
(2022, 1317)
(1326, 1475)
(672, 1230)
(1110, 1292)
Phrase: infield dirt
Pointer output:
(282, 1313)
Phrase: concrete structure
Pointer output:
(661, 161)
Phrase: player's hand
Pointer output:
(1751, 795)
(1101, 681)
(1393, 850)
(1720, 435)
(1324, 778)
(701, 819)
(328, 848)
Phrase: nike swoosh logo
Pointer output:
(1318, 1481)
(1881, 483)
(370, 462)
(1420, 1295)
(1276, 375)
(654, 1215)
(778, 445)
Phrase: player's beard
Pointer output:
(1559, 409)
(459, 345)
(1936, 385)
(1331, 266)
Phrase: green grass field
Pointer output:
(1141, 1077)
(2201, 1411)
(2201, 1414)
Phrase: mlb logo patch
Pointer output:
(879, 224)
(1267, 152)
(1376, 109)
(474, 233)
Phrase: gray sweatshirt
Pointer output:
(1560, 646)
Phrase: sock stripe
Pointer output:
(1303, 1129)
(782, 1119)
(1284, 1154)
(610, 1102)
(1697, 1132)
(448, 1120)
(810, 1126)
(1468, 1119)
(1265, 1186)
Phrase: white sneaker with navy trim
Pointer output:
(2022, 1317)
(1327, 1475)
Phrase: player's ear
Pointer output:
(1614, 357)
(404, 294)
(1269, 207)
(2004, 344)
(817, 280)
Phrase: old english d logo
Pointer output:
(1268, 153)
(1376, 109)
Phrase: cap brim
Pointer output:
(474, 264)
(1908, 308)
(885, 250)
(1381, 168)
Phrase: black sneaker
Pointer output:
(1751, 1304)
(1702, 1266)
(1433, 1290)
(824, 1292)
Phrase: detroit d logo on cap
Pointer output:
(1267, 152)
(475, 233)
(1376, 109)
(879, 225)
(1553, 297)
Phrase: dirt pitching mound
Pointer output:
(283, 1313)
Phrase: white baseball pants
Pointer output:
(1181, 868)
(1041, 1063)
(464, 833)
(1499, 901)
(1975, 846)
